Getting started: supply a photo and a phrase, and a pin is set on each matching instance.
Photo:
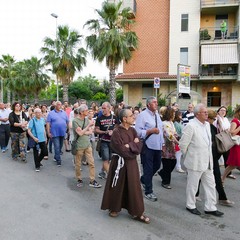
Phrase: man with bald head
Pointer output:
(4, 127)
(57, 123)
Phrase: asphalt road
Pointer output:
(48, 206)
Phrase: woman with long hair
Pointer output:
(234, 154)
(169, 149)
(222, 123)
(18, 126)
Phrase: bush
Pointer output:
(204, 35)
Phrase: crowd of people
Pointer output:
(163, 139)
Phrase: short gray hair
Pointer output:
(150, 99)
(123, 113)
(198, 108)
(82, 108)
(37, 110)
(108, 104)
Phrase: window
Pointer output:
(214, 99)
(184, 56)
(184, 22)
(147, 90)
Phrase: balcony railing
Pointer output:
(209, 3)
(218, 70)
(214, 33)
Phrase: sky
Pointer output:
(25, 23)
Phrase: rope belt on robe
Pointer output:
(119, 166)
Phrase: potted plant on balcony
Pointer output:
(204, 35)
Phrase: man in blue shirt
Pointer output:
(149, 128)
(57, 123)
(36, 130)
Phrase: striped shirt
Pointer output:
(187, 117)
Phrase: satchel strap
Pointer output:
(81, 127)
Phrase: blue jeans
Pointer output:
(151, 161)
(58, 144)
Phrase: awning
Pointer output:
(219, 54)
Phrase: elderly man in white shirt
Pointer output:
(196, 147)
(4, 127)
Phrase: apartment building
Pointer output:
(186, 32)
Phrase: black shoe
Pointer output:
(193, 211)
(215, 213)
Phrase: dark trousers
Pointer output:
(151, 161)
(43, 152)
(225, 157)
(217, 174)
(165, 172)
(4, 135)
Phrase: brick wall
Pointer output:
(152, 28)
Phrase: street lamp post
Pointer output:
(56, 16)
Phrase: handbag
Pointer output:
(98, 146)
(224, 141)
(236, 139)
(74, 147)
(74, 142)
(31, 142)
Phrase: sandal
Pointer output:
(113, 214)
(231, 176)
(143, 219)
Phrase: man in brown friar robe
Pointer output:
(123, 189)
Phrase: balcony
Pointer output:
(132, 4)
(219, 6)
(218, 72)
(210, 35)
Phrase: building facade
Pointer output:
(188, 33)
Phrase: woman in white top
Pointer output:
(222, 123)
(169, 149)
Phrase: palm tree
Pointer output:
(112, 39)
(35, 78)
(64, 55)
(7, 62)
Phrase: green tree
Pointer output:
(92, 83)
(34, 76)
(78, 89)
(119, 94)
(7, 62)
(65, 56)
(111, 39)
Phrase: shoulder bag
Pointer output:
(224, 141)
(31, 142)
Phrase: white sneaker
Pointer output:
(179, 170)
